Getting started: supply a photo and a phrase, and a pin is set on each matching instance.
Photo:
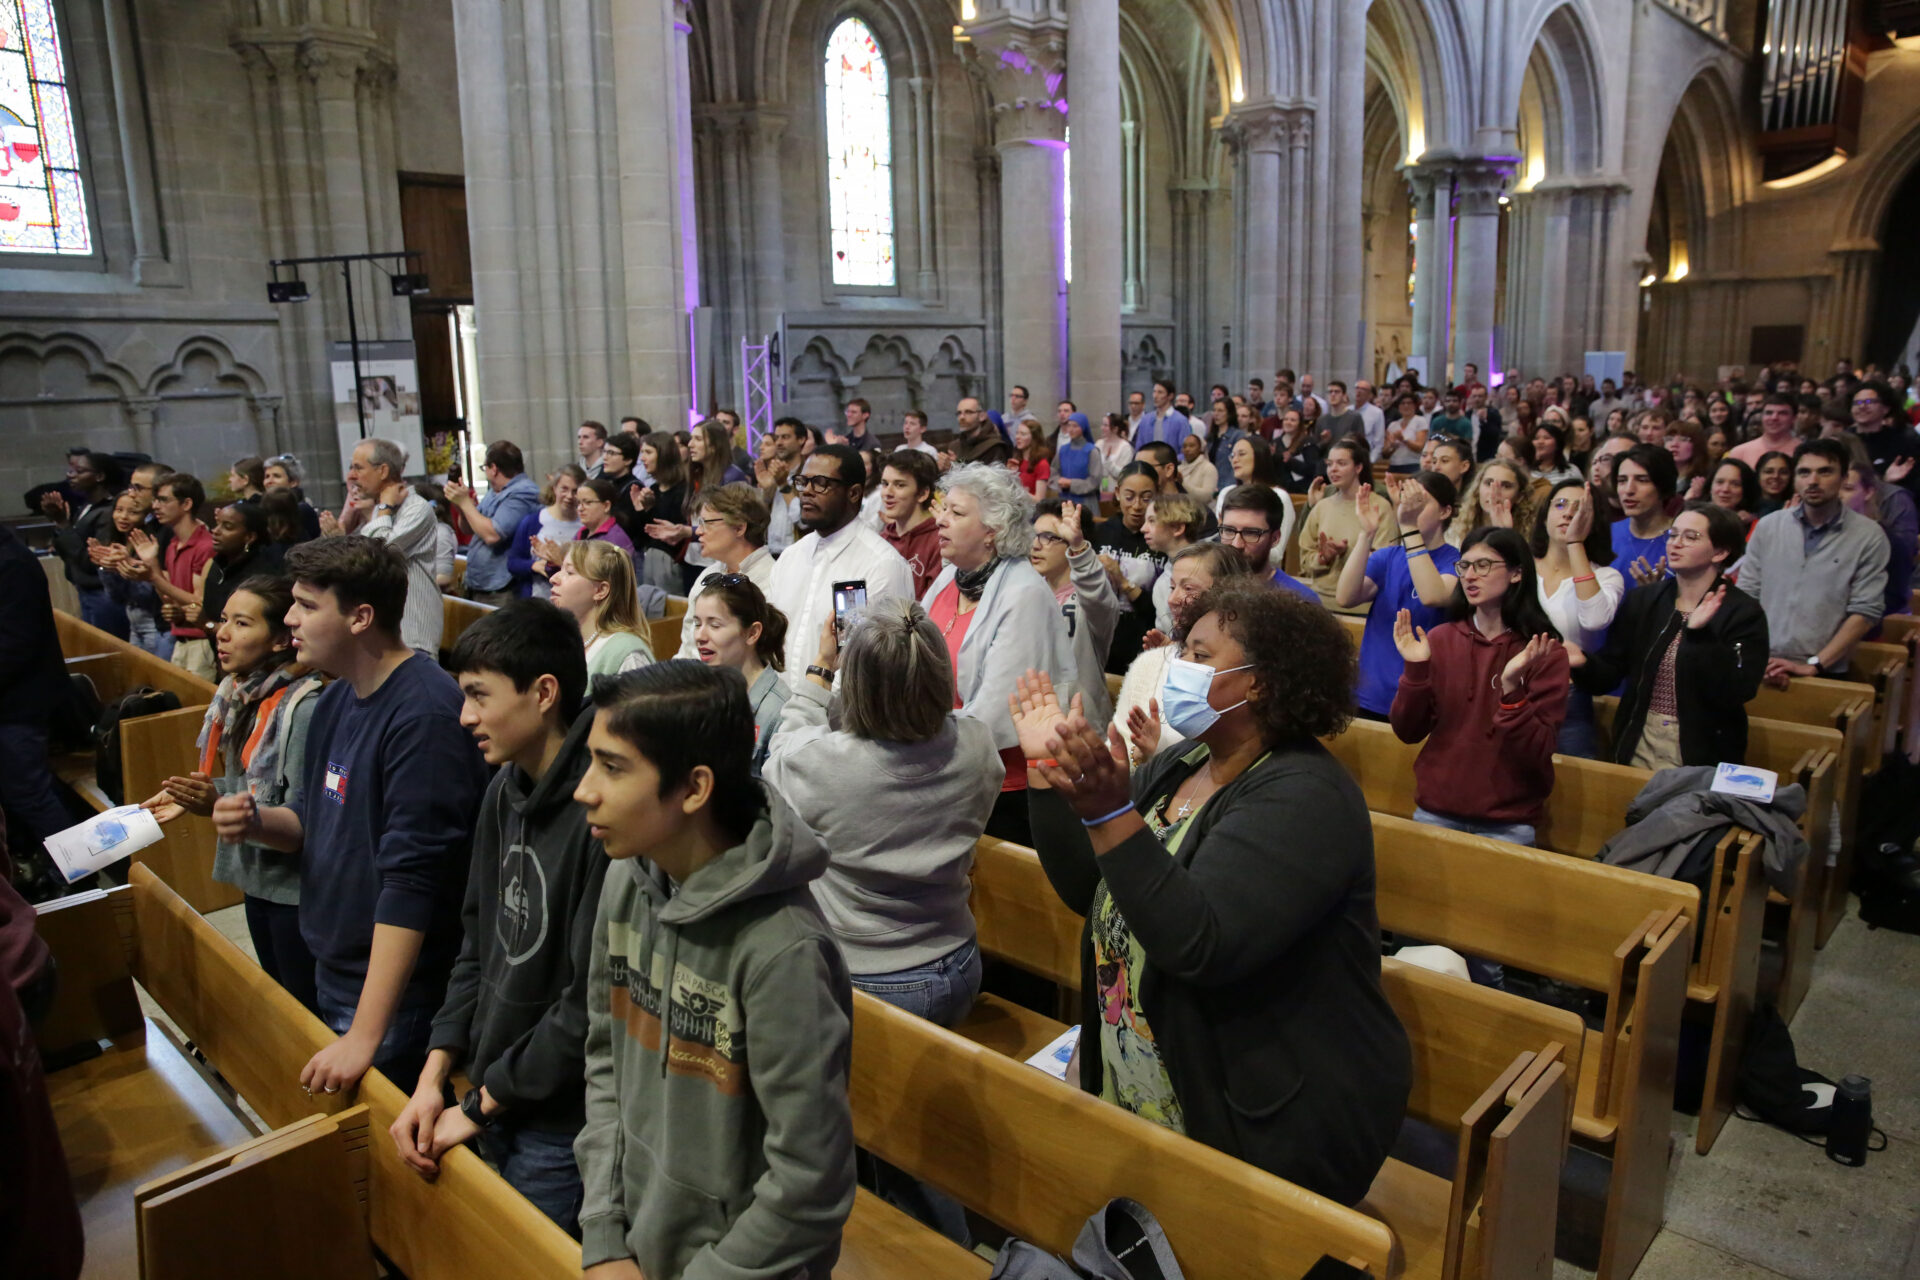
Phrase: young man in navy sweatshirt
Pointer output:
(515, 1014)
(392, 789)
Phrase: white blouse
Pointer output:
(1585, 622)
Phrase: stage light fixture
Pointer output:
(287, 291)
(406, 284)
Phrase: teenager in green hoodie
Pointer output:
(718, 1142)
(515, 1013)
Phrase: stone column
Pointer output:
(1432, 190)
(323, 125)
(1094, 299)
(1477, 189)
(141, 412)
(1855, 267)
(1259, 135)
(576, 127)
(1024, 63)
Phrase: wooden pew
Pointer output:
(1883, 668)
(1595, 926)
(1588, 806)
(152, 749)
(1904, 630)
(1038, 1158)
(458, 614)
(466, 1224)
(665, 631)
(1810, 756)
(1842, 706)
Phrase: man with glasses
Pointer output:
(1818, 568)
(837, 548)
(978, 440)
(1891, 443)
(1250, 523)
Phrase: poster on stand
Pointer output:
(390, 391)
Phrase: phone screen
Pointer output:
(848, 597)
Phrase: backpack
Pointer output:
(70, 726)
(1121, 1242)
(144, 701)
(1773, 1085)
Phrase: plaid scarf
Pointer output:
(236, 703)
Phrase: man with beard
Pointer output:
(837, 548)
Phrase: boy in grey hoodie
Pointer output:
(718, 1142)
(515, 1012)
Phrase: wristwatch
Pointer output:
(1814, 662)
(822, 672)
(470, 1108)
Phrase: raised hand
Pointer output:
(1645, 574)
(145, 546)
(1037, 714)
(1316, 491)
(457, 492)
(1089, 773)
(1071, 516)
(642, 497)
(668, 532)
(1523, 663)
(1709, 605)
(1365, 511)
(1143, 730)
(1331, 551)
(54, 506)
(1499, 512)
(1410, 640)
(194, 793)
(329, 524)
(1899, 469)
(1696, 489)
(1412, 499)
(1154, 639)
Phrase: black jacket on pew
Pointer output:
(1263, 963)
(1716, 671)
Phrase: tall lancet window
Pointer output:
(43, 204)
(859, 158)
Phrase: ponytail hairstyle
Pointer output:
(896, 676)
(749, 608)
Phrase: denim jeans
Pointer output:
(942, 992)
(1485, 972)
(1579, 736)
(402, 1051)
(98, 608)
(539, 1164)
(282, 952)
(26, 784)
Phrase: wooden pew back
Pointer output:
(1039, 1158)
(260, 1037)
(134, 665)
(456, 615)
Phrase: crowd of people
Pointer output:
(628, 893)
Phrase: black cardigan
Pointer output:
(1263, 964)
(1716, 672)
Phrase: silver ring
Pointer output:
(332, 1088)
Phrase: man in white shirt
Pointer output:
(1371, 415)
(914, 427)
(780, 456)
(1307, 392)
(1136, 410)
(837, 548)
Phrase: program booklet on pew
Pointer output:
(102, 840)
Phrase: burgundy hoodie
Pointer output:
(1484, 760)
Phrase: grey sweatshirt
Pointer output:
(895, 891)
(723, 1149)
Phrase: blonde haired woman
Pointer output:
(595, 584)
(1500, 497)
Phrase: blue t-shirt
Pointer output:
(1281, 578)
(393, 787)
(487, 568)
(1380, 661)
(1627, 548)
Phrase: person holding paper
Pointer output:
(384, 822)
(253, 743)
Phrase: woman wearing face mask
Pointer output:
(595, 584)
(556, 521)
(254, 740)
(996, 614)
(1194, 572)
(734, 626)
(1486, 692)
(1230, 963)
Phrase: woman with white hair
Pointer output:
(997, 615)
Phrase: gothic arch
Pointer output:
(1708, 171)
(1423, 64)
(1561, 96)
(790, 34)
(104, 378)
(230, 377)
(1866, 213)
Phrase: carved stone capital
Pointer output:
(1266, 128)
(1479, 184)
(1022, 59)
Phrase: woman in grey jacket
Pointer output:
(997, 615)
(895, 891)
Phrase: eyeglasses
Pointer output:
(1686, 537)
(1861, 402)
(1045, 540)
(816, 484)
(1477, 568)
(717, 522)
(1240, 537)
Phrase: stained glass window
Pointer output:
(43, 207)
(859, 157)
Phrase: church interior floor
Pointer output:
(1765, 1203)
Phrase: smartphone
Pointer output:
(848, 598)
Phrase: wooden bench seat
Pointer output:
(1463, 1039)
(458, 614)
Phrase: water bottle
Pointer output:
(1852, 1121)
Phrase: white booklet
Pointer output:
(102, 840)
(1055, 1058)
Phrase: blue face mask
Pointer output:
(1184, 690)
